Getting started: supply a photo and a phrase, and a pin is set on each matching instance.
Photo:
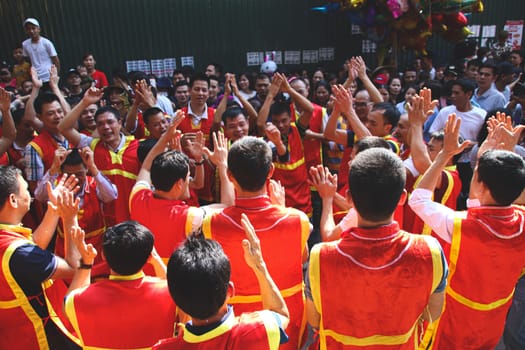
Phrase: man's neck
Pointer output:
(197, 109)
(240, 193)
(35, 40)
(464, 108)
(500, 85)
(213, 319)
(114, 145)
(481, 90)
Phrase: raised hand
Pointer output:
(37, 82)
(92, 95)
(5, 100)
(219, 156)
(324, 181)
(54, 78)
(273, 134)
(277, 193)
(451, 144)
(251, 245)
(87, 252)
(60, 156)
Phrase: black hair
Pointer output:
(279, 108)
(199, 77)
(42, 99)
(8, 182)
(503, 173)
(181, 83)
(107, 109)
(465, 84)
(145, 146)
(198, 277)
(376, 180)
(249, 162)
(218, 67)
(127, 247)
(73, 158)
(168, 168)
(490, 65)
(368, 142)
(150, 112)
(232, 112)
(390, 113)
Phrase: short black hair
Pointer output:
(503, 173)
(198, 277)
(249, 162)
(231, 113)
(127, 247)
(390, 113)
(168, 168)
(181, 83)
(465, 84)
(199, 77)
(279, 108)
(8, 182)
(145, 146)
(148, 113)
(368, 142)
(107, 109)
(42, 99)
(376, 180)
(73, 158)
(490, 65)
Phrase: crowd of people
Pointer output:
(281, 209)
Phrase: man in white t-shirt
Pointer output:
(472, 120)
(40, 50)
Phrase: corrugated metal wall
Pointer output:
(222, 31)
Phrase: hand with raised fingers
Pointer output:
(196, 147)
(219, 156)
(451, 144)
(88, 253)
(273, 134)
(54, 78)
(343, 99)
(251, 245)
(93, 95)
(67, 204)
(60, 156)
(416, 111)
(5, 100)
(428, 103)
(37, 82)
(275, 86)
(277, 193)
(359, 65)
(324, 181)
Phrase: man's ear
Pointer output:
(230, 293)
(270, 173)
(12, 201)
(403, 198)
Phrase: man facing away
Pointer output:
(283, 233)
(487, 241)
(199, 282)
(391, 278)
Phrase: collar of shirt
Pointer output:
(486, 94)
(196, 118)
(120, 145)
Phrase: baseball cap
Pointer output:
(451, 70)
(33, 21)
(73, 71)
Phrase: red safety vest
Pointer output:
(293, 174)
(283, 233)
(486, 260)
(121, 169)
(371, 287)
(250, 331)
(124, 312)
(447, 195)
(45, 145)
(22, 327)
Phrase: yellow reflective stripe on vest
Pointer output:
(376, 339)
(21, 298)
(437, 265)
(37, 149)
(247, 299)
(475, 305)
(314, 272)
(224, 327)
(272, 329)
(289, 166)
(69, 307)
(120, 172)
